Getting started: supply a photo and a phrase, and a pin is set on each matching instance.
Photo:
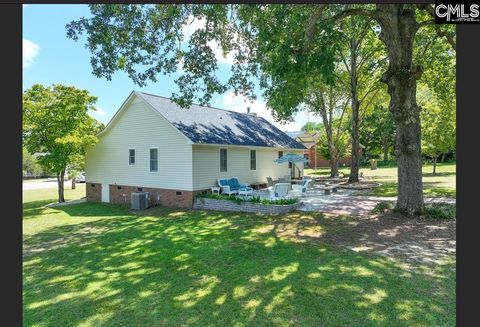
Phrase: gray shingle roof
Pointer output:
(206, 125)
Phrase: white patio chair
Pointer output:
(279, 191)
(302, 188)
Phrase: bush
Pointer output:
(381, 207)
(280, 201)
(253, 199)
(441, 210)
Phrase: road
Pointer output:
(42, 184)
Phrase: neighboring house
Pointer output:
(310, 141)
(153, 145)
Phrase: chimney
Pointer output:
(250, 113)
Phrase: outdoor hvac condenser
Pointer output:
(139, 200)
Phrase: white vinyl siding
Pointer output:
(206, 165)
(140, 127)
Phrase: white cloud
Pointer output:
(240, 103)
(98, 112)
(30, 51)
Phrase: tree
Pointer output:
(362, 58)
(378, 132)
(56, 123)
(312, 127)
(29, 163)
(288, 47)
(438, 125)
(330, 103)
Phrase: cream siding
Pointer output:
(206, 165)
(141, 128)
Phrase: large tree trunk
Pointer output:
(354, 165)
(333, 161)
(443, 157)
(398, 29)
(434, 164)
(60, 180)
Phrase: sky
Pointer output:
(49, 57)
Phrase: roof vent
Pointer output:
(249, 112)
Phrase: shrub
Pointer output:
(280, 201)
(382, 207)
(253, 199)
(441, 210)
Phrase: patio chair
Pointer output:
(233, 186)
(282, 180)
(302, 188)
(279, 191)
(270, 181)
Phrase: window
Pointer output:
(280, 154)
(153, 160)
(223, 159)
(253, 160)
(131, 156)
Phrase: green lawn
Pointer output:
(100, 265)
(441, 184)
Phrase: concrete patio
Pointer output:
(342, 202)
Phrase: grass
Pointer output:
(101, 265)
(441, 184)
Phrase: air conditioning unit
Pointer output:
(140, 200)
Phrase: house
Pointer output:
(310, 141)
(153, 145)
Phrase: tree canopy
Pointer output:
(57, 125)
(287, 48)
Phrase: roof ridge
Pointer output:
(207, 107)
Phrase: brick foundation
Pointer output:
(94, 192)
(157, 196)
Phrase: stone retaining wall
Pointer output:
(227, 205)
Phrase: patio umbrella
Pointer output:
(291, 157)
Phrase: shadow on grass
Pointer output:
(170, 267)
(439, 174)
(429, 190)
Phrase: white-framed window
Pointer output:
(280, 154)
(131, 156)
(223, 160)
(153, 160)
(253, 160)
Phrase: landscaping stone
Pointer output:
(227, 205)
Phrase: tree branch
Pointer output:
(311, 29)
(353, 12)
(431, 11)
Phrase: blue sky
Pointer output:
(49, 57)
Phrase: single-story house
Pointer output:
(310, 141)
(153, 145)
